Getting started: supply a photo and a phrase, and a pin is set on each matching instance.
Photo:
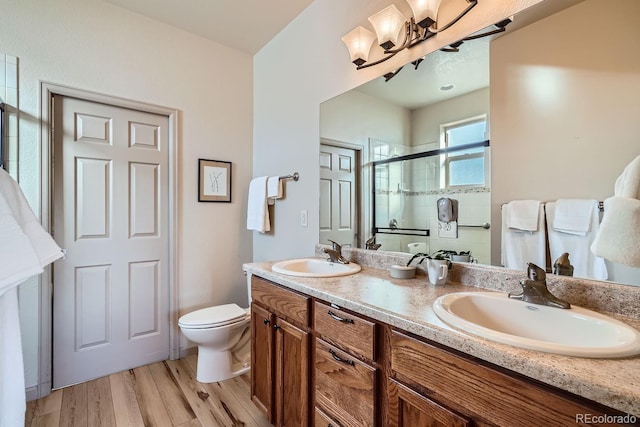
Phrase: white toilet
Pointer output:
(223, 335)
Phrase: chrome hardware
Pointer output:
(534, 289)
(340, 359)
(338, 318)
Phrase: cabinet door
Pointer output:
(262, 360)
(292, 375)
(410, 409)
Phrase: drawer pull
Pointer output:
(340, 359)
(266, 321)
(338, 318)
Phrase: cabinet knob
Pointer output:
(266, 321)
(338, 318)
(276, 327)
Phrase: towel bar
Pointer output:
(294, 176)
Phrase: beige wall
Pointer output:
(565, 97)
(92, 45)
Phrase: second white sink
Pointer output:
(572, 332)
(314, 267)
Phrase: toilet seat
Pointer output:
(213, 317)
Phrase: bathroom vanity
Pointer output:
(367, 350)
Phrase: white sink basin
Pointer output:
(572, 332)
(314, 267)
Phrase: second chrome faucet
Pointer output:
(335, 254)
(534, 289)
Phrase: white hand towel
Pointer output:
(585, 263)
(257, 212)
(274, 189)
(521, 247)
(573, 216)
(523, 215)
(619, 236)
(18, 260)
(45, 247)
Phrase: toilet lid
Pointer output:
(213, 316)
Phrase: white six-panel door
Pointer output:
(110, 213)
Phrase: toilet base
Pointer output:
(215, 366)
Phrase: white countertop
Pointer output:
(406, 304)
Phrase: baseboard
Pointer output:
(184, 352)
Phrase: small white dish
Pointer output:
(402, 271)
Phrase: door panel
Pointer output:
(338, 195)
(110, 213)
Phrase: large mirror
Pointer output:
(560, 103)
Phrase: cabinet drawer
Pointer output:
(345, 387)
(345, 330)
(290, 304)
(322, 420)
(472, 387)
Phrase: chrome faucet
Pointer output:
(371, 244)
(534, 289)
(335, 254)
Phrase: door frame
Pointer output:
(361, 183)
(47, 92)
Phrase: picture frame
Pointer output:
(214, 181)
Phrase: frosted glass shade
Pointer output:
(425, 12)
(359, 42)
(388, 23)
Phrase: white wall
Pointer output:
(92, 45)
(304, 65)
(564, 106)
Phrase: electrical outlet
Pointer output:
(304, 218)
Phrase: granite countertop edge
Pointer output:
(611, 382)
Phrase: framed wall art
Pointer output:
(214, 181)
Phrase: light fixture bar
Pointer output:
(388, 24)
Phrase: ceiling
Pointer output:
(245, 25)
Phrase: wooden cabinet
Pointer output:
(280, 354)
(356, 372)
(408, 408)
(345, 375)
(429, 381)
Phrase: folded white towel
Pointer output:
(619, 236)
(523, 215)
(257, 211)
(274, 189)
(521, 247)
(585, 264)
(574, 216)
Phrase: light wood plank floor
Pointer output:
(161, 394)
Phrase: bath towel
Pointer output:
(26, 248)
(519, 247)
(257, 211)
(274, 189)
(523, 215)
(619, 237)
(585, 264)
(573, 216)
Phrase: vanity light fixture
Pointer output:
(390, 25)
(499, 27)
